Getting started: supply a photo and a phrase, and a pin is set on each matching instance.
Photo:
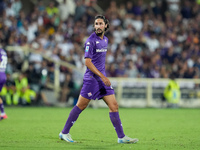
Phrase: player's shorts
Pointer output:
(93, 89)
(2, 80)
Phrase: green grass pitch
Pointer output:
(29, 128)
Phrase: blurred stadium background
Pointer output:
(148, 42)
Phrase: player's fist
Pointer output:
(106, 81)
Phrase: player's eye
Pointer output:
(99, 23)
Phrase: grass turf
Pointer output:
(157, 129)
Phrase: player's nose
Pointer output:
(98, 26)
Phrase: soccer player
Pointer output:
(3, 63)
(95, 83)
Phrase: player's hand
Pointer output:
(106, 81)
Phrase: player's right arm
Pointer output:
(90, 65)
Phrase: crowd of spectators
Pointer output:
(146, 40)
(154, 40)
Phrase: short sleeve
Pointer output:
(89, 49)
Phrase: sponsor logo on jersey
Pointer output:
(88, 43)
(101, 50)
(86, 48)
(97, 42)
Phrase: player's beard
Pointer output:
(99, 33)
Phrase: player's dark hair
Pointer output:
(104, 19)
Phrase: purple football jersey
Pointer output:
(96, 48)
(3, 60)
(3, 63)
(93, 86)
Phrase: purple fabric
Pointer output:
(3, 60)
(96, 48)
(2, 80)
(94, 89)
(71, 119)
(114, 117)
(2, 108)
(137, 10)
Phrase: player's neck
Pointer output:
(101, 36)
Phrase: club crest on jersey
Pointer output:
(86, 48)
(90, 94)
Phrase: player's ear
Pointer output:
(107, 24)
